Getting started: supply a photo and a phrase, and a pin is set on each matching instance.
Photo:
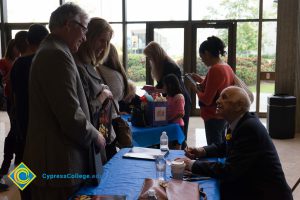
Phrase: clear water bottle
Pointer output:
(160, 163)
(151, 194)
(164, 141)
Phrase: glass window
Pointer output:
(172, 41)
(267, 89)
(136, 66)
(270, 10)
(14, 32)
(268, 51)
(111, 10)
(268, 60)
(157, 10)
(117, 39)
(246, 55)
(225, 9)
(30, 10)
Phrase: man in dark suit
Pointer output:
(251, 169)
(60, 139)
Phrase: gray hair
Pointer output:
(240, 98)
(65, 12)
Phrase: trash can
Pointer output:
(281, 116)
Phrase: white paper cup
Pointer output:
(177, 169)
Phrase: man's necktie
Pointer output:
(228, 135)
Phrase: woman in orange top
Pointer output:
(219, 76)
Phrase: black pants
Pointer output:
(215, 131)
(10, 143)
(26, 193)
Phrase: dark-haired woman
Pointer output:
(175, 99)
(219, 76)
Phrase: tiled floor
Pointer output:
(288, 150)
(13, 192)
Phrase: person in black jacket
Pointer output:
(252, 168)
(19, 77)
(163, 65)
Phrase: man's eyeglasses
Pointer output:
(83, 28)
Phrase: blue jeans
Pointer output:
(215, 131)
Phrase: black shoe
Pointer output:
(3, 187)
(5, 167)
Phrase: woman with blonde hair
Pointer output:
(90, 54)
(113, 70)
(96, 47)
(163, 65)
(113, 74)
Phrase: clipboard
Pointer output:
(192, 81)
(144, 153)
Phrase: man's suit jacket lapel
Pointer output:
(241, 121)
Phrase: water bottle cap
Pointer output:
(151, 192)
(159, 156)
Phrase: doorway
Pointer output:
(182, 40)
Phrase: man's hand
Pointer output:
(188, 162)
(194, 153)
(104, 95)
(100, 142)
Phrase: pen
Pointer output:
(199, 178)
(186, 149)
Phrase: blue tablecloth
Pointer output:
(126, 176)
(148, 136)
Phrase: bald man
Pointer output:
(252, 169)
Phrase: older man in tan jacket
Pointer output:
(60, 137)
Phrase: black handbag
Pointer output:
(138, 117)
